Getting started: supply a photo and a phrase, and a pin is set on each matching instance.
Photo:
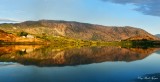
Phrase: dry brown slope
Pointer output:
(8, 37)
(78, 30)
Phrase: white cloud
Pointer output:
(6, 20)
(148, 7)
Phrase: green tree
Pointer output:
(23, 34)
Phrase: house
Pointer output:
(30, 36)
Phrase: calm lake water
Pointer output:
(24, 63)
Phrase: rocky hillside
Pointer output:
(76, 30)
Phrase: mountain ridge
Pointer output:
(77, 30)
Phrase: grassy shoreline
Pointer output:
(22, 43)
(124, 44)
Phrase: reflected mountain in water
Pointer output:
(8, 49)
(51, 56)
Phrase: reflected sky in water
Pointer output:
(103, 71)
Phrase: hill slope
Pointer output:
(76, 30)
(8, 37)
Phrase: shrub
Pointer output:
(23, 34)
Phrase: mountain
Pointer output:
(76, 30)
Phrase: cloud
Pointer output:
(147, 7)
(3, 20)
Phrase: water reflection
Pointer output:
(8, 49)
(55, 56)
(6, 64)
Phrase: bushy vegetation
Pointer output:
(22, 34)
(140, 44)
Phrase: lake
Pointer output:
(37, 63)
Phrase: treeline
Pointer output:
(141, 44)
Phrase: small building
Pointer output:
(30, 36)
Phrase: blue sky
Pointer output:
(143, 14)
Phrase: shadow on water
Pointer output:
(62, 56)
